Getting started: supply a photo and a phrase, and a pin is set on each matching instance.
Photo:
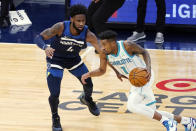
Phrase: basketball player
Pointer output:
(70, 37)
(123, 57)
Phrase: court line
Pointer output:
(92, 47)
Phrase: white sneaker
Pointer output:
(136, 36)
(171, 125)
(159, 38)
(191, 126)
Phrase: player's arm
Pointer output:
(118, 74)
(97, 72)
(48, 33)
(91, 38)
(133, 48)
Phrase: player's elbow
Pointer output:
(102, 71)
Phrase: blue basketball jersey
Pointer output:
(68, 46)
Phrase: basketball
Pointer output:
(137, 77)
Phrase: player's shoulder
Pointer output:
(58, 25)
(129, 44)
(90, 35)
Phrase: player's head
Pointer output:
(108, 40)
(78, 16)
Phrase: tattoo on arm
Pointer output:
(135, 49)
(91, 38)
(51, 32)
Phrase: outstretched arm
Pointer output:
(97, 72)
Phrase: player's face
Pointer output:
(79, 22)
(106, 46)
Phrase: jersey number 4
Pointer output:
(70, 49)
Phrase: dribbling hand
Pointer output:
(148, 75)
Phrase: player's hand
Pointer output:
(49, 52)
(148, 75)
(84, 77)
(120, 76)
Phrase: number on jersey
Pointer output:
(70, 49)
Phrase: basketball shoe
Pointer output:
(56, 125)
(171, 125)
(159, 38)
(91, 105)
(136, 36)
(190, 126)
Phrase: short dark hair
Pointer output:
(108, 34)
(78, 9)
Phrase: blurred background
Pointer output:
(179, 32)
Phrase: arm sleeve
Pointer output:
(40, 42)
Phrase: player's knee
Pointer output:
(131, 106)
(53, 98)
(55, 94)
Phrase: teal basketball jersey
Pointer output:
(124, 62)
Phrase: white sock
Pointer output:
(163, 119)
(185, 120)
(166, 114)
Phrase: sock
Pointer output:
(166, 114)
(164, 119)
(185, 120)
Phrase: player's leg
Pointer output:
(141, 14)
(107, 8)
(4, 18)
(188, 122)
(137, 105)
(92, 8)
(86, 97)
(54, 77)
(160, 22)
(142, 101)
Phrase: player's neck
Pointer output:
(73, 31)
(115, 49)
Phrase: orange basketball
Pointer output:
(137, 77)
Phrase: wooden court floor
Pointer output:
(24, 94)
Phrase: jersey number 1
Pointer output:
(123, 68)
